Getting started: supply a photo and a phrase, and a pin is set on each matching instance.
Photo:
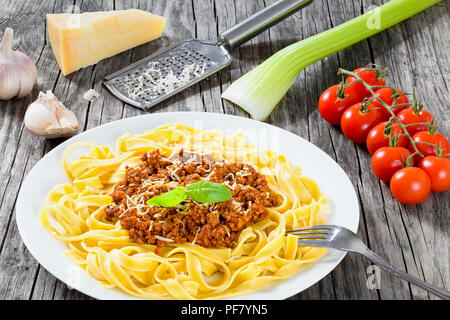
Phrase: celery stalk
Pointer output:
(260, 90)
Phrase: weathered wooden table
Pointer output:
(414, 238)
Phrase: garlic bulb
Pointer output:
(18, 72)
(48, 117)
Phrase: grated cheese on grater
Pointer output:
(153, 82)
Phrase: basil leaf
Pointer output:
(208, 192)
(169, 199)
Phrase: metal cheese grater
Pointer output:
(154, 79)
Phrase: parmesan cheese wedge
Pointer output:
(80, 40)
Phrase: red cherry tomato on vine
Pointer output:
(388, 160)
(357, 123)
(408, 116)
(385, 94)
(438, 169)
(331, 107)
(428, 147)
(377, 139)
(410, 185)
(370, 77)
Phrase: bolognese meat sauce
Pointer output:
(211, 225)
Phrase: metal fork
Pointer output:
(337, 237)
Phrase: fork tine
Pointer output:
(312, 237)
(301, 233)
(318, 227)
(314, 243)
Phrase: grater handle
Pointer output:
(260, 22)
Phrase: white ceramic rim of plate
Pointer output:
(34, 236)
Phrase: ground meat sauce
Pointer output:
(209, 225)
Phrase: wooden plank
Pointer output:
(69, 89)
(297, 113)
(420, 242)
(206, 28)
(105, 108)
(21, 149)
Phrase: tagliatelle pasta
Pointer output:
(264, 254)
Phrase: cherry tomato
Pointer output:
(370, 77)
(438, 169)
(377, 139)
(385, 94)
(356, 123)
(388, 160)
(410, 185)
(436, 139)
(409, 116)
(331, 107)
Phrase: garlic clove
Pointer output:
(48, 117)
(9, 80)
(38, 118)
(53, 133)
(66, 118)
(29, 74)
(18, 72)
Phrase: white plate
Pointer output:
(315, 163)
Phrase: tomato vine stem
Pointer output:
(388, 108)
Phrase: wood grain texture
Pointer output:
(414, 238)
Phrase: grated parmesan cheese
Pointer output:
(174, 175)
(153, 82)
(196, 235)
(243, 174)
(134, 205)
(228, 231)
(230, 175)
(90, 95)
(163, 239)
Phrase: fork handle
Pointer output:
(372, 256)
(260, 21)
